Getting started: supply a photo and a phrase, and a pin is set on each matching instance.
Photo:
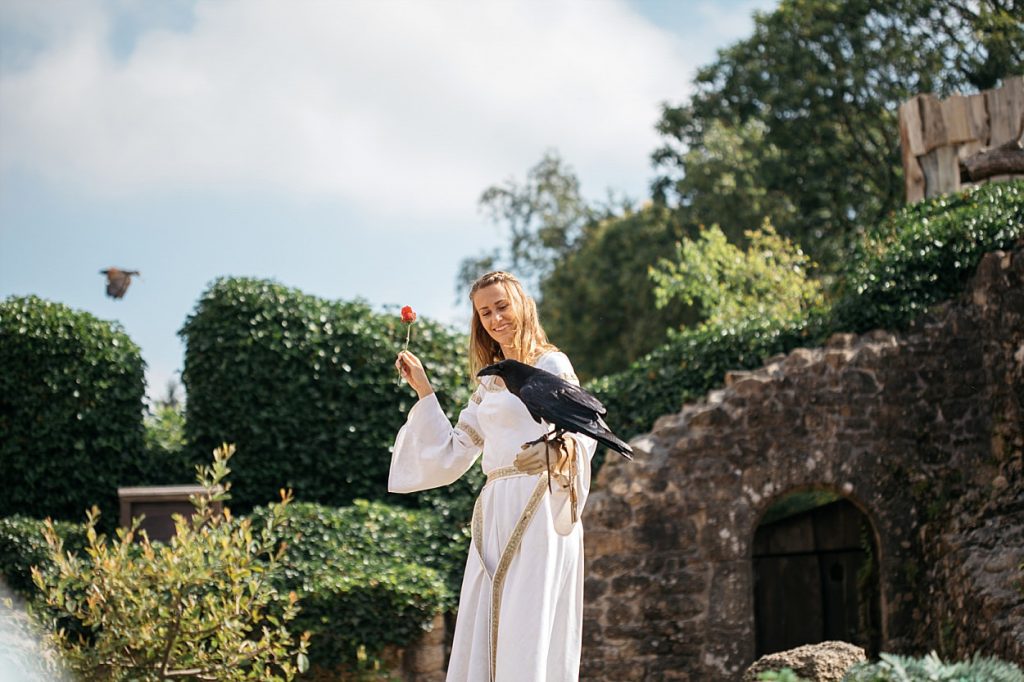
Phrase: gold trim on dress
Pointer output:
(510, 550)
(473, 435)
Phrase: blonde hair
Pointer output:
(530, 338)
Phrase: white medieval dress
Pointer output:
(521, 605)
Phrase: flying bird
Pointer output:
(118, 281)
(552, 399)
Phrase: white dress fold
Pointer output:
(520, 619)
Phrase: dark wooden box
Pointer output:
(157, 504)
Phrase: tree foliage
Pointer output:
(598, 304)
(203, 606)
(724, 182)
(544, 215)
(768, 280)
(808, 103)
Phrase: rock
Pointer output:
(825, 662)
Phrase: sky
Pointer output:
(336, 146)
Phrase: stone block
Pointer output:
(825, 662)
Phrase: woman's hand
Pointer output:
(411, 369)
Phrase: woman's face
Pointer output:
(496, 314)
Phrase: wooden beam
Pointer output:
(1006, 159)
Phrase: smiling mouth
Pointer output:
(502, 329)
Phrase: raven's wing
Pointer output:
(543, 381)
(559, 402)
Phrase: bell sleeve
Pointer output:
(558, 364)
(429, 452)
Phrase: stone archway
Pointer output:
(815, 574)
(911, 427)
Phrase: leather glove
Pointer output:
(535, 458)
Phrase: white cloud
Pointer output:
(400, 106)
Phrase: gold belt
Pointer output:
(504, 472)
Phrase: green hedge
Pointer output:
(931, 668)
(921, 255)
(71, 410)
(22, 546)
(368, 575)
(925, 254)
(693, 362)
(307, 390)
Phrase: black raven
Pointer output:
(550, 398)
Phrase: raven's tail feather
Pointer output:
(610, 440)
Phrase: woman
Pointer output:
(521, 605)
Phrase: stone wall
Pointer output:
(922, 430)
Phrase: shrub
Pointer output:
(308, 391)
(769, 279)
(920, 256)
(202, 606)
(70, 410)
(931, 668)
(23, 545)
(370, 575)
(359, 608)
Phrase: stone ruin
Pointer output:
(919, 433)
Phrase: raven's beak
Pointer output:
(489, 370)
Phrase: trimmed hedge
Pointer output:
(369, 575)
(23, 546)
(920, 256)
(308, 391)
(931, 668)
(71, 410)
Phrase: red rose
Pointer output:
(408, 316)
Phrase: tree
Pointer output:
(202, 607)
(598, 303)
(545, 216)
(824, 80)
(724, 183)
(982, 39)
